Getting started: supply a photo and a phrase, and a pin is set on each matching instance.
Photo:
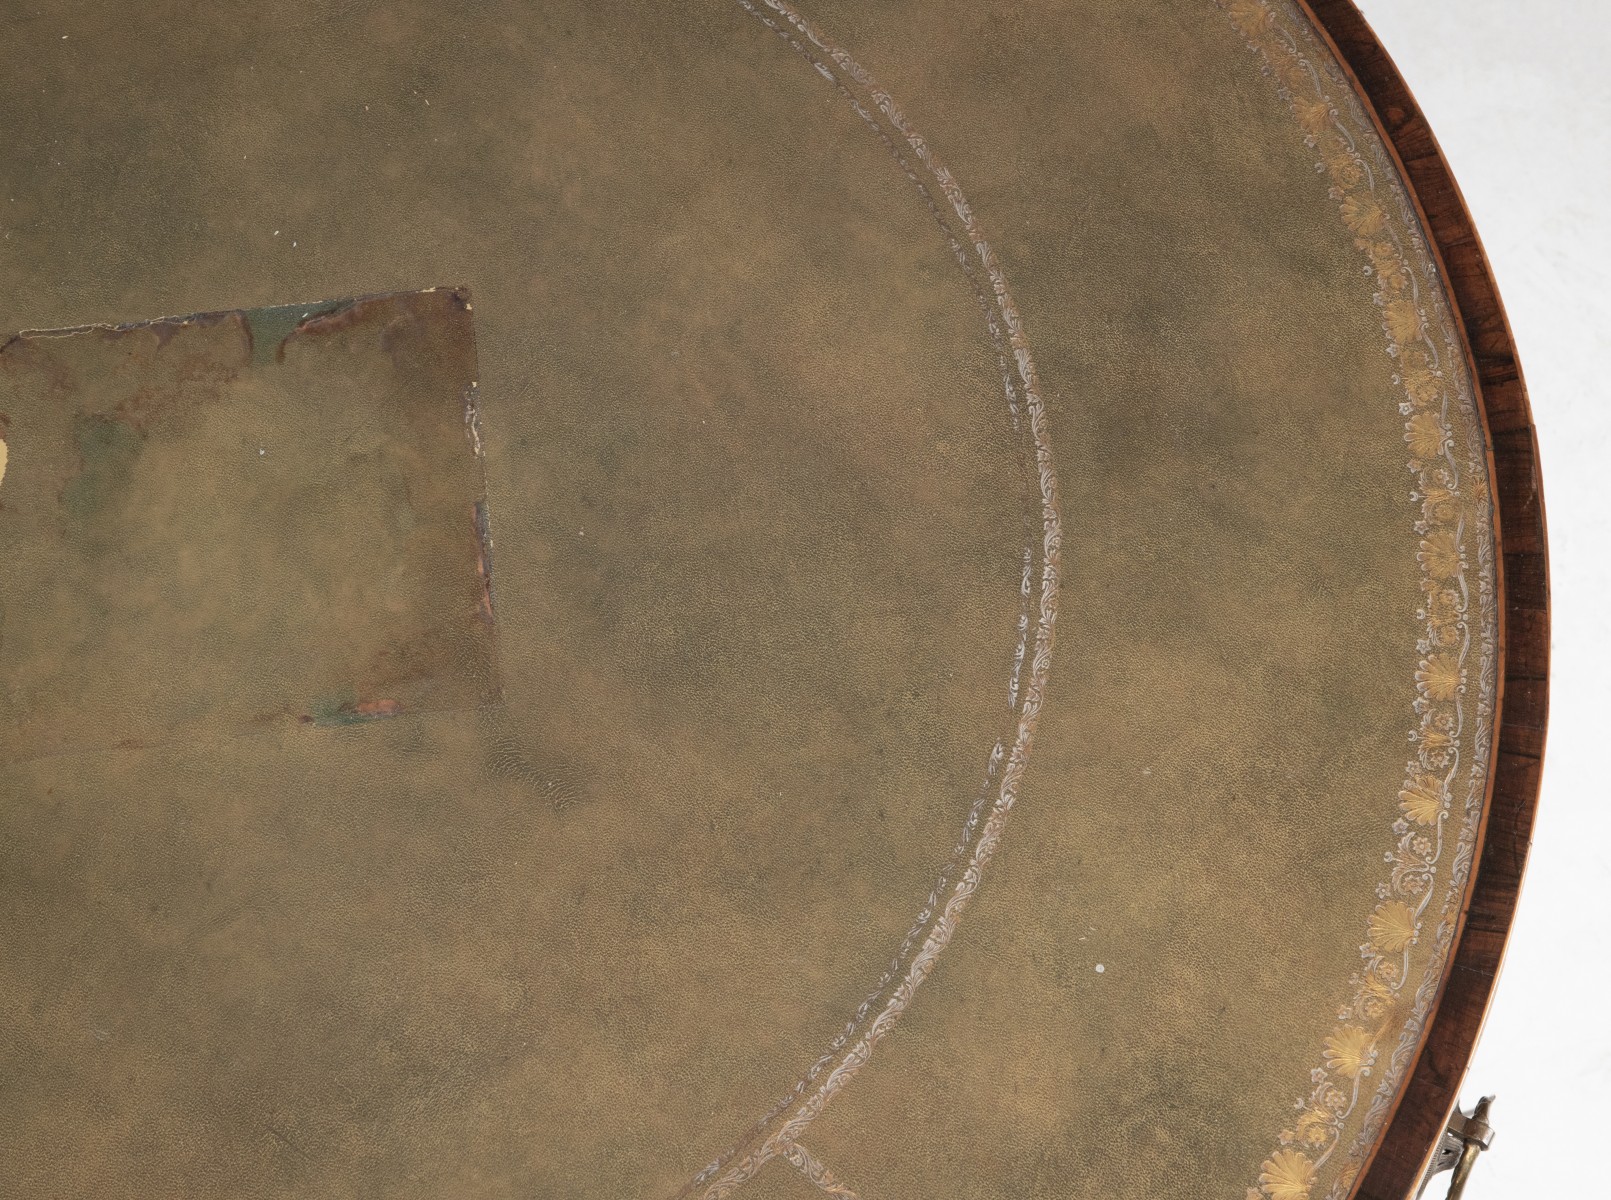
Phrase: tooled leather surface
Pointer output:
(758, 520)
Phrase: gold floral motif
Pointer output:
(1314, 115)
(1440, 553)
(1350, 1051)
(1363, 215)
(1251, 16)
(1314, 1127)
(1422, 384)
(1391, 926)
(1439, 505)
(1403, 320)
(1444, 607)
(1426, 435)
(1440, 676)
(1345, 169)
(1435, 743)
(1383, 253)
(1422, 798)
(1392, 279)
(1377, 994)
(1287, 1175)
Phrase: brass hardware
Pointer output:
(1466, 1137)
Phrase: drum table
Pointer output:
(737, 599)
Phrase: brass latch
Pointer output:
(1467, 1136)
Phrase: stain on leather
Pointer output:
(240, 519)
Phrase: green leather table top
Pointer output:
(914, 615)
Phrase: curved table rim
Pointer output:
(1431, 1089)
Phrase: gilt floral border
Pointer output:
(1408, 935)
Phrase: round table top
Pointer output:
(734, 599)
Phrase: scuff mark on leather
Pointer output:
(483, 560)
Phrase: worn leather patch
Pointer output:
(221, 523)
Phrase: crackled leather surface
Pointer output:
(857, 396)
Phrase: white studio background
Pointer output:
(1519, 95)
